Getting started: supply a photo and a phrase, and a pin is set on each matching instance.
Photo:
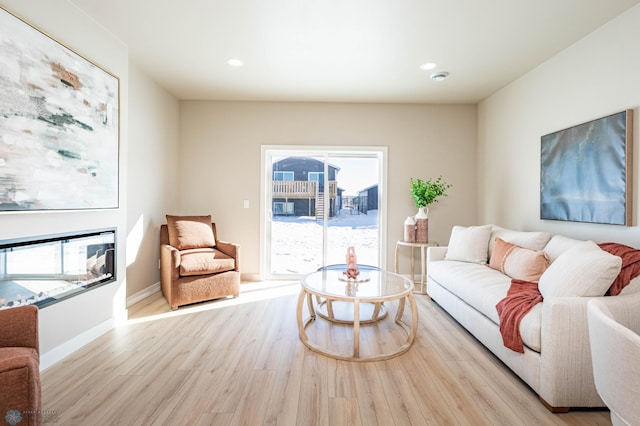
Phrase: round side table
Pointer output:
(422, 286)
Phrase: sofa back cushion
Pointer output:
(534, 240)
(469, 244)
(558, 244)
(582, 270)
(188, 232)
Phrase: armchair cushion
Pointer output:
(188, 232)
(204, 261)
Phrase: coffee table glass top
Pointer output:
(380, 284)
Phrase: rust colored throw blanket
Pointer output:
(521, 298)
(630, 265)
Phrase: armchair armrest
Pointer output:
(230, 249)
(169, 262)
(625, 308)
(16, 359)
(20, 327)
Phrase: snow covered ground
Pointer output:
(296, 242)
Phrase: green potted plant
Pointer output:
(425, 192)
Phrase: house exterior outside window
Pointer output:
(305, 194)
(282, 176)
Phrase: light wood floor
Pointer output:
(239, 362)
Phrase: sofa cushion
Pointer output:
(535, 240)
(558, 244)
(187, 232)
(482, 288)
(582, 270)
(204, 261)
(530, 328)
(469, 244)
(518, 262)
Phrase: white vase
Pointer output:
(423, 213)
(410, 230)
(422, 225)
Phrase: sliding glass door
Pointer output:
(316, 203)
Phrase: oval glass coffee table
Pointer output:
(372, 288)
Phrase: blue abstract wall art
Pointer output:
(585, 173)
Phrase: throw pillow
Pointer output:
(187, 232)
(582, 270)
(469, 244)
(518, 262)
(499, 253)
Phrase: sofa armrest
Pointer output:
(19, 327)
(565, 367)
(230, 249)
(436, 253)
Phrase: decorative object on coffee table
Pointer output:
(425, 192)
(352, 263)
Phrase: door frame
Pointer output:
(266, 214)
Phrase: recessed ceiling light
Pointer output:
(428, 66)
(439, 76)
(235, 62)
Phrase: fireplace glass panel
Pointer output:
(45, 270)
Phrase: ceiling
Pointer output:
(345, 50)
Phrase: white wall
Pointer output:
(64, 322)
(220, 159)
(597, 76)
(152, 176)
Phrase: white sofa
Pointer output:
(556, 362)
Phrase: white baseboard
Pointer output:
(143, 294)
(250, 277)
(67, 348)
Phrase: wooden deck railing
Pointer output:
(299, 189)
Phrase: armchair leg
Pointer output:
(174, 308)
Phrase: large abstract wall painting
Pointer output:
(585, 173)
(59, 124)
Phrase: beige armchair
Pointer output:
(614, 324)
(194, 265)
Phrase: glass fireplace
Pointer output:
(47, 269)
